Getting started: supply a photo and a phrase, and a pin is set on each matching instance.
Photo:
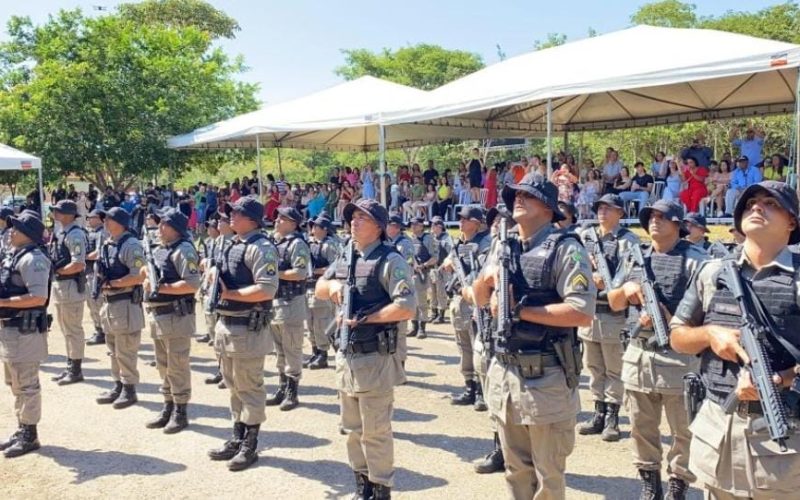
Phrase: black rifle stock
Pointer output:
(98, 278)
(348, 290)
(651, 304)
(459, 275)
(752, 335)
(502, 286)
(214, 278)
(150, 267)
(600, 263)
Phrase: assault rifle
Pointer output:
(214, 277)
(651, 304)
(459, 275)
(718, 251)
(502, 286)
(480, 314)
(753, 335)
(600, 262)
(99, 277)
(153, 276)
(348, 292)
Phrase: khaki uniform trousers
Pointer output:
(242, 354)
(402, 341)
(320, 317)
(94, 308)
(438, 295)
(603, 360)
(211, 321)
(461, 319)
(481, 368)
(288, 338)
(422, 288)
(645, 413)
(536, 457)
(172, 341)
(123, 350)
(734, 461)
(70, 321)
(23, 379)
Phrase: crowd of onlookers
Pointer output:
(692, 175)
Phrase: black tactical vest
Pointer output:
(169, 273)
(531, 275)
(59, 253)
(287, 289)
(369, 293)
(8, 269)
(671, 280)
(318, 260)
(114, 267)
(421, 252)
(464, 249)
(442, 248)
(235, 274)
(777, 293)
(610, 246)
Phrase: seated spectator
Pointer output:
(742, 177)
(491, 185)
(444, 195)
(641, 187)
(750, 145)
(316, 204)
(623, 182)
(415, 195)
(717, 185)
(428, 199)
(674, 183)
(774, 170)
(565, 182)
(430, 175)
(611, 170)
(589, 194)
(696, 190)
(659, 169)
(346, 195)
(273, 202)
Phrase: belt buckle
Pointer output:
(743, 409)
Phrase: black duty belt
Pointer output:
(65, 277)
(158, 310)
(235, 320)
(362, 347)
(603, 308)
(530, 364)
(109, 298)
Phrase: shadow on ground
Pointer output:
(92, 464)
(615, 487)
(467, 449)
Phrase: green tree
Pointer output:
(421, 66)
(552, 40)
(777, 22)
(666, 13)
(181, 14)
(99, 97)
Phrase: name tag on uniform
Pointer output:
(729, 309)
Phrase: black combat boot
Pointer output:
(441, 319)
(651, 485)
(414, 328)
(126, 398)
(596, 424)
(381, 492)
(231, 446)
(222, 385)
(363, 487)
(178, 421)
(109, 397)
(63, 374)
(248, 451)
(9, 442)
(467, 397)
(290, 401)
(205, 339)
(422, 333)
(321, 361)
(277, 398)
(99, 338)
(27, 441)
(677, 489)
(214, 379)
(494, 461)
(312, 358)
(163, 416)
(611, 429)
(74, 375)
(480, 403)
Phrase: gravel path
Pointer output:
(92, 451)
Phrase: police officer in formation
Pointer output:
(473, 242)
(249, 281)
(697, 230)
(602, 347)
(170, 314)
(96, 235)
(533, 377)
(290, 307)
(424, 260)
(68, 254)
(366, 369)
(653, 376)
(324, 249)
(208, 246)
(218, 249)
(5, 230)
(439, 277)
(121, 260)
(24, 294)
(403, 244)
(732, 454)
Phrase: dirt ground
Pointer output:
(92, 451)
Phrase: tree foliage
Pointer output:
(667, 14)
(181, 14)
(99, 97)
(421, 66)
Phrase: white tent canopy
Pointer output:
(14, 159)
(640, 76)
(341, 118)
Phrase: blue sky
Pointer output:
(292, 47)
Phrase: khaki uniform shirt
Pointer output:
(330, 250)
(186, 262)
(124, 316)
(66, 291)
(294, 310)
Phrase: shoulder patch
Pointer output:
(272, 269)
(579, 283)
(39, 265)
(399, 273)
(403, 289)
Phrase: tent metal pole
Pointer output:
(382, 160)
(41, 192)
(549, 136)
(566, 142)
(258, 167)
(280, 165)
(797, 132)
